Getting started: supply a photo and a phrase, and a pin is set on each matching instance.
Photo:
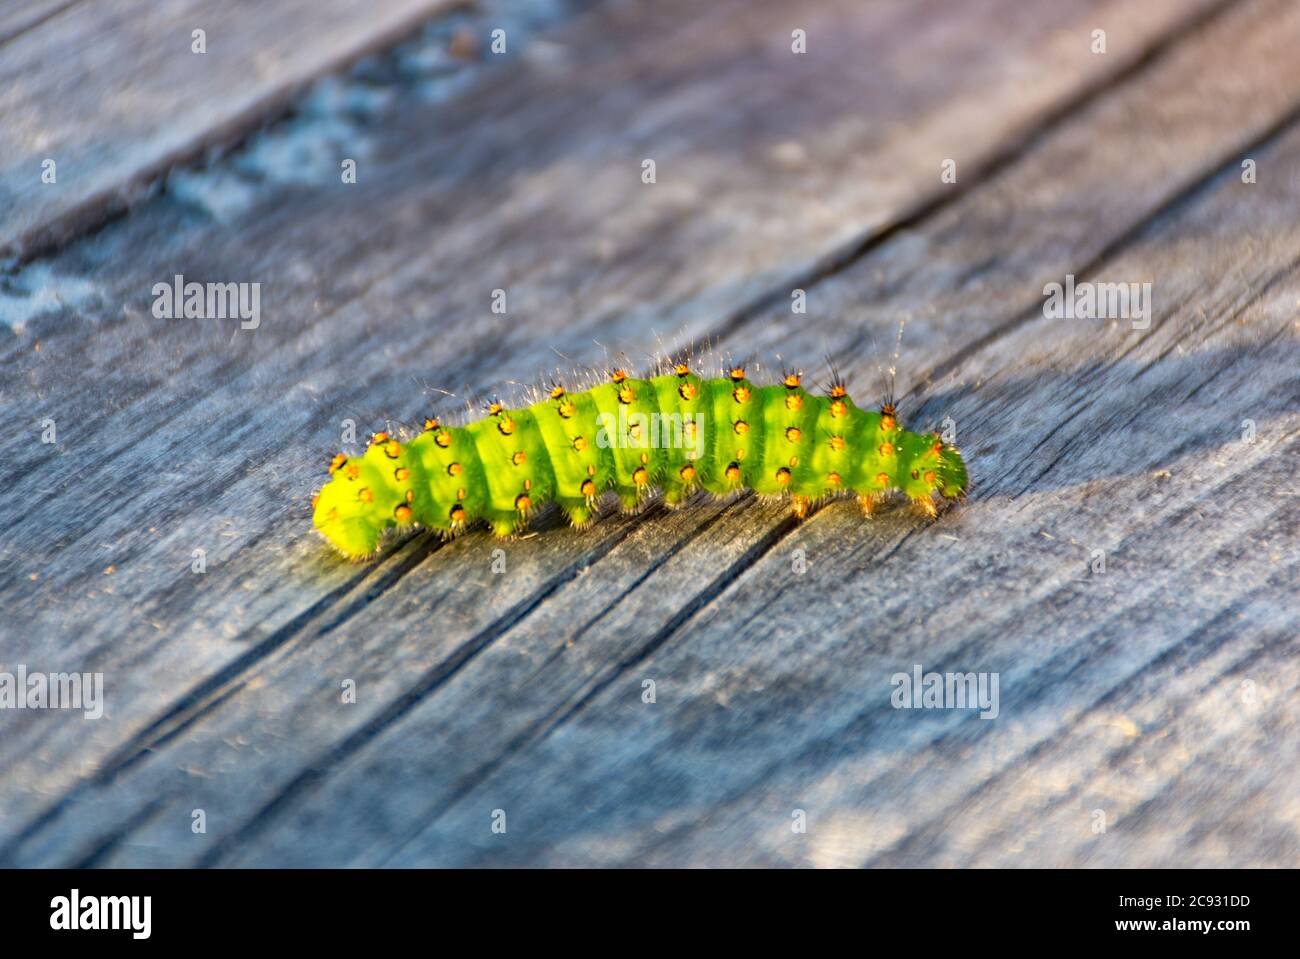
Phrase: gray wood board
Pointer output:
(114, 93)
(480, 689)
(19, 16)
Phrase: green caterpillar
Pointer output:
(677, 432)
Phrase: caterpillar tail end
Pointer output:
(934, 468)
(952, 470)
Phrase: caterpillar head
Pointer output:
(348, 506)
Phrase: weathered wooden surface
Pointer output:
(1121, 692)
(114, 92)
(17, 16)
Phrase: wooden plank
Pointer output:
(115, 95)
(19, 16)
(1114, 687)
(651, 552)
(228, 447)
(1102, 677)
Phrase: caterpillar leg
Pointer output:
(580, 515)
(505, 525)
(926, 505)
(869, 502)
(801, 505)
(635, 500)
(677, 492)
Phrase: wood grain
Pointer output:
(113, 92)
(522, 691)
(19, 16)
(717, 770)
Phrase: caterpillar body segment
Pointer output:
(676, 433)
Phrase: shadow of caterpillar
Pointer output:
(675, 432)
